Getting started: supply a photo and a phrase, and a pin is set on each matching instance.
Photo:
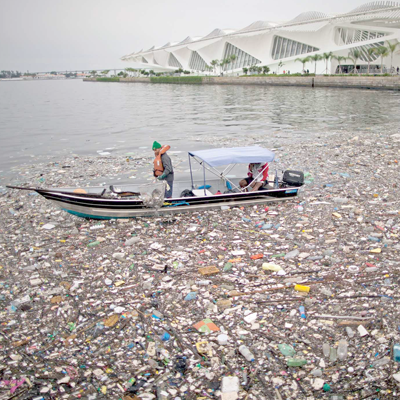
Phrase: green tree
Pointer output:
(327, 57)
(382, 52)
(105, 72)
(94, 72)
(370, 53)
(391, 48)
(354, 56)
(339, 60)
(130, 71)
(232, 59)
(280, 65)
(208, 68)
(245, 70)
(304, 61)
(222, 64)
(315, 58)
(53, 73)
(265, 69)
(151, 72)
(215, 64)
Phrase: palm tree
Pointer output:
(382, 52)
(215, 64)
(327, 57)
(232, 59)
(354, 55)
(370, 52)
(105, 72)
(281, 64)
(339, 60)
(304, 61)
(315, 58)
(391, 47)
(225, 61)
(130, 70)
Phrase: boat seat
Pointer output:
(200, 192)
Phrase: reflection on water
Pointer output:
(63, 117)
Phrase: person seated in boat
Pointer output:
(163, 167)
(257, 176)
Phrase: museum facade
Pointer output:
(281, 46)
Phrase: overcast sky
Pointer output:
(45, 35)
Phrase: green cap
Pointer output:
(156, 145)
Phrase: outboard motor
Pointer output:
(293, 178)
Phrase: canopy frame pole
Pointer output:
(228, 169)
(216, 172)
(191, 174)
(204, 179)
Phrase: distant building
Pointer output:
(267, 43)
(49, 76)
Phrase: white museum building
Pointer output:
(278, 45)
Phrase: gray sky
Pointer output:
(44, 35)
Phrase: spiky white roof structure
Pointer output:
(267, 43)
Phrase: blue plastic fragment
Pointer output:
(191, 296)
(267, 226)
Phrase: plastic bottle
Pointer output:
(396, 352)
(326, 349)
(97, 227)
(349, 331)
(342, 350)
(246, 353)
(333, 355)
(381, 361)
(286, 349)
(302, 312)
(302, 288)
(93, 244)
(203, 283)
(296, 362)
(222, 339)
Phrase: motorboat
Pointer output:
(198, 194)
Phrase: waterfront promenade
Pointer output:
(361, 82)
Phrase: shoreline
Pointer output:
(341, 82)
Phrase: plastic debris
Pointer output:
(160, 307)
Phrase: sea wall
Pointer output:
(360, 82)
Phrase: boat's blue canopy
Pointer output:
(234, 155)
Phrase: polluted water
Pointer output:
(301, 302)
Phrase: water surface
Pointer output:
(56, 118)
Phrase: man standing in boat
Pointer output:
(163, 167)
(257, 176)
